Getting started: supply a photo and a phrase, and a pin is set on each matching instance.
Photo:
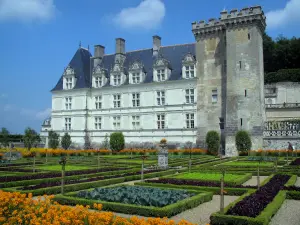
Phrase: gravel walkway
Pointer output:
(288, 214)
(297, 184)
(253, 180)
(200, 214)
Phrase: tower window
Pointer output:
(249, 36)
(241, 122)
(240, 64)
(245, 93)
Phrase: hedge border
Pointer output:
(166, 211)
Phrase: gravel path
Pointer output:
(200, 214)
(288, 214)
(253, 180)
(297, 182)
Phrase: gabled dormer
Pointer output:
(161, 69)
(99, 77)
(189, 66)
(118, 74)
(69, 78)
(136, 73)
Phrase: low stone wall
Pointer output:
(281, 143)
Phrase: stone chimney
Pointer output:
(120, 46)
(99, 52)
(156, 44)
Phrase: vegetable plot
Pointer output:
(143, 196)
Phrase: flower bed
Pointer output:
(55, 174)
(142, 204)
(144, 196)
(16, 208)
(77, 181)
(296, 162)
(234, 179)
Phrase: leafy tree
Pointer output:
(4, 137)
(31, 138)
(117, 141)
(106, 142)
(53, 139)
(66, 141)
(243, 141)
(213, 142)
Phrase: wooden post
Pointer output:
(98, 158)
(33, 164)
(222, 193)
(63, 163)
(287, 157)
(258, 178)
(142, 172)
(46, 156)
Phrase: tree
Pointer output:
(53, 139)
(66, 141)
(117, 141)
(106, 142)
(4, 137)
(243, 141)
(213, 142)
(30, 138)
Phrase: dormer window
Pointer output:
(117, 79)
(136, 73)
(161, 70)
(99, 77)
(69, 78)
(189, 66)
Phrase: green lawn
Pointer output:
(68, 167)
(247, 164)
(211, 176)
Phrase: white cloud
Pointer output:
(26, 10)
(281, 17)
(40, 115)
(147, 15)
(43, 114)
(8, 107)
(3, 95)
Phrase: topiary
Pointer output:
(243, 142)
(213, 142)
(117, 141)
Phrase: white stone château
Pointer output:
(175, 92)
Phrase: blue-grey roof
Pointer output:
(174, 54)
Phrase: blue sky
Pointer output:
(39, 37)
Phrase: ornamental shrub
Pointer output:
(117, 141)
(213, 142)
(66, 141)
(243, 142)
(53, 140)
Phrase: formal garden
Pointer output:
(120, 185)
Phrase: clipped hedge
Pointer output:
(166, 211)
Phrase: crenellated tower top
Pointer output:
(245, 16)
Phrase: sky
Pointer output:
(38, 38)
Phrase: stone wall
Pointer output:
(281, 143)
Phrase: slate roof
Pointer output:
(174, 54)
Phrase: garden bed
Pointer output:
(234, 179)
(245, 164)
(296, 162)
(144, 201)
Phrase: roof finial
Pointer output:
(79, 44)
(88, 47)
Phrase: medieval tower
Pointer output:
(230, 73)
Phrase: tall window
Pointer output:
(117, 79)
(135, 122)
(136, 78)
(68, 123)
(68, 103)
(135, 99)
(117, 101)
(190, 122)
(161, 121)
(98, 102)
(97, 123)
(160, 97)
(190, 71)
(161, 76)
(98, 82)
(189, 96)
(69, 82)
(116, 122)
(214, 96)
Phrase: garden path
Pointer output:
(253, 180)
(288, 214)
(200, 214)
(297, 184)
